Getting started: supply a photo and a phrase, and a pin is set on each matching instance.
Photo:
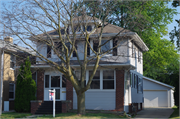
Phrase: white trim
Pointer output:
(158, 82)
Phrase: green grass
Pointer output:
(14, 115)
(175, 114)
(62, 115)
(87, 116)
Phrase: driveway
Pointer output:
(154, 113)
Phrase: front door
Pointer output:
(57, 82)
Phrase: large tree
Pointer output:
(28, 18)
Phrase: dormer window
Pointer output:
(89, 28)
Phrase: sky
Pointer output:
(170, 26)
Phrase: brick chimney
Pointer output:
(8, 39)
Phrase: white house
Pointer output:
(157, 94)
(118, 81)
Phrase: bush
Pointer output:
(25, 88)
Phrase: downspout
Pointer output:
(1, 90)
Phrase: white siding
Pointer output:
(148, 85)
(97, 100)
(134, 60)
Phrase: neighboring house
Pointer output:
(8, 63)
(118, 80)
(157, 94)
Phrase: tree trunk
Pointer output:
(81, 103)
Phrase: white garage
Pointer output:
(157, 94)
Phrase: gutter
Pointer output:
(47, 66)
(1, 90)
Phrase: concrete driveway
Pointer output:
(155, 113)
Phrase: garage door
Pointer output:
(155, 99)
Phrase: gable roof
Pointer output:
(15, 48)
(108, 30)
(158, 82)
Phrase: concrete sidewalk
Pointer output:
(155, 113)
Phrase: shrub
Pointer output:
(25, 88)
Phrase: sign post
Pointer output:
(52, 97)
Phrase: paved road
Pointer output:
(154, 113)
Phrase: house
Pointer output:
(9, 63)
(157, 94)
(117, 84)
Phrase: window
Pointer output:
(11, 91)
(74, 53)
(115, 49)
(48, 51)
(108, 79)
(139, 56)
(140, 86)
(95, 84)
(134, 80)
(95, 45)
(78, 75)
(133, 49)
(46, 81)
(89, 28)
(58, 46)
(55, 81)
(131, 80)
(88, 48)
(63, 81)
(77, 28)
(12, 61)
(105, 47)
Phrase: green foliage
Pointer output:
(174, 34)
(25, 88)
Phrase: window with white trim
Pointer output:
(11, 91)
(131, 80)
(12, 61)
(108, 79)
(95, 84)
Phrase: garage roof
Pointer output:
(158, 82)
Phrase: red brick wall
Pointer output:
(120, 90)
(40, 85)
(69, 92)
(34, 106)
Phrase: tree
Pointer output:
(32, 19)
(174, 34)
(25, 88)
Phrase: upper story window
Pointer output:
(139, 56)
(48, 51)
(11, 91)
(89, 28)
(106, 47)
(12, 61)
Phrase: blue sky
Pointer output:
(170, 26)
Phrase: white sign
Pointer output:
(52, 97)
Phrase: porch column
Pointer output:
(120, 90)
(40, 85)
(69, 92)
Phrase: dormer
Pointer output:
(80, 22)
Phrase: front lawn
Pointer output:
(175, 114)
(14, 115)
(87, 116)
(62, 115)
